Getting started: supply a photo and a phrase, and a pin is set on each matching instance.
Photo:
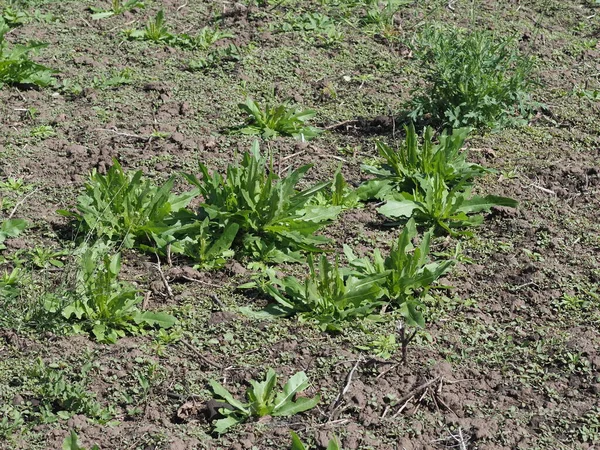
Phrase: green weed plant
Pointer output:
(474, 78)
(275, 220)
(125, 207)
(117, 7)
(431, 182)
(407, 273)
(16, 66)
(273, 121)
(328, 297)
(102, 305)
(263, 400)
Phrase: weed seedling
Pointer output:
(117, 7)
(215, 58)
(382, 346)
(263, 400)
(10, 228)
(328, 297)
(71, 442)
(405, 168)
(156, 30)
(449, 210)
(117, 78)
(43, 132)
(297, 444)
(104, 306)
(126, 207)
(341, 194)
(16, 67)
(62, 396)
(281, 120)
(407, 272)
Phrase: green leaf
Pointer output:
(296, 442)
(295, 384)
(320, 214)
(71, 442)
(162, 320)
(300, 405)
(115, 264)
(222, 425)
(478, 204)
(395, 208)
(224, 394)
(11, 228)
(333, 444)
(225, 240)
(102, 15)
(412, 315)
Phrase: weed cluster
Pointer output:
(474, 78)
(431, 183)
(263, 400)
(117, 7)
(256, 214)
(157, 31)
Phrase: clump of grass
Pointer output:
(474, 78)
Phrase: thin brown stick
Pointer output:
(339, 124)
(402, 407)
(118, 133)
(163, 278)
(336, 403)
(183, 277)
(20, 202)
(146, 300)
(415, 391)
(199, 355)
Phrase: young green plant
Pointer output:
(275, 221)
(16, 67)
(263, 400)
(297, 444)
(273, 121)
(406, 273)
(102, 305)
(117, 7)
(448, 210)
(126, 207)
(328, 297)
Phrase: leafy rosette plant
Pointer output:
(280, 120)
(275, 221)
(103, 305)
(407, 273)
(263, 400)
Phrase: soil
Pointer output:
(510, 356)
